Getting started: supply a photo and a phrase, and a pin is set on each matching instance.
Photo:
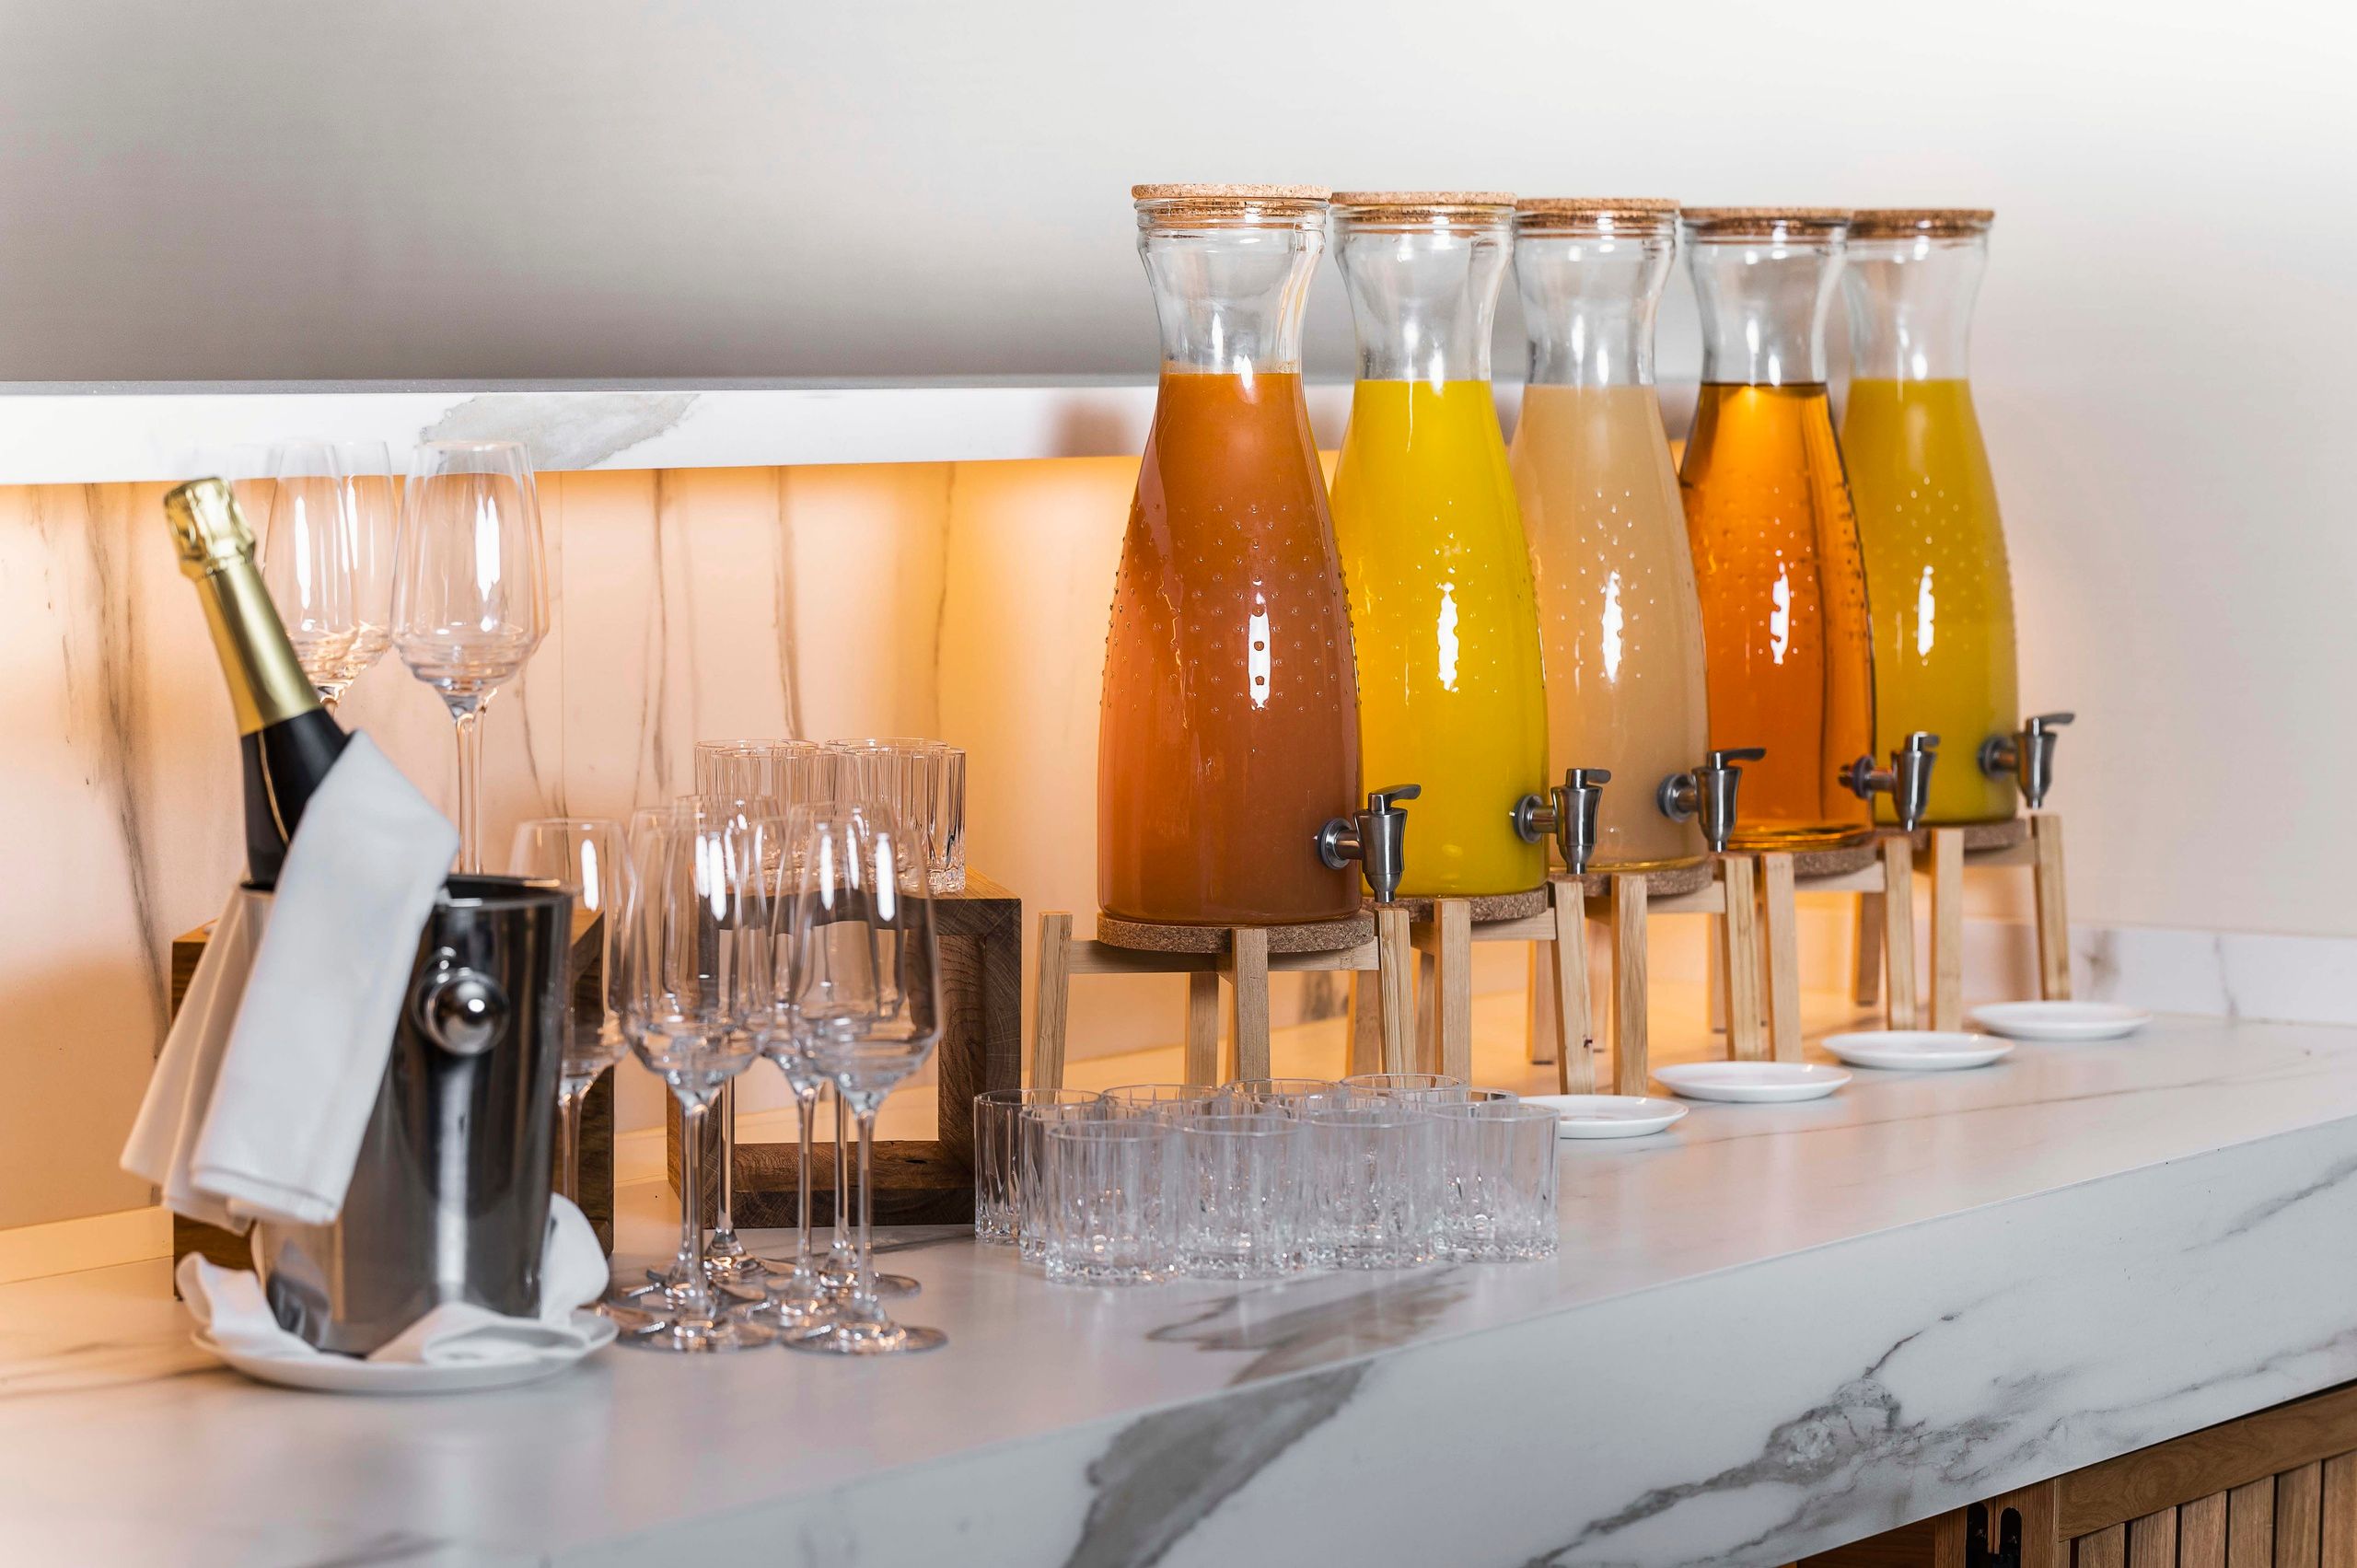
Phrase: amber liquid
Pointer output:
(1782, 587)
(1228, 730)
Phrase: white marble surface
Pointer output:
(1770, 1331)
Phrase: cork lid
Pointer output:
(1649, 214)
(1761, 223)
(1904, 223)
(1415, 199)
(1228, 193)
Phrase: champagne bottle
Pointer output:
(288, 739)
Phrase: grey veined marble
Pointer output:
(1771, 1330)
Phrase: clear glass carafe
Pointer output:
(1451, 691)
(1777, 565)
(1927, 507)
(1617, 611)
(1228, 729)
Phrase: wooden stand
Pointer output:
(2034, 842)
(1624, 901)
(1245, 955)
(918, 1180)
(1443, 932)
(1881, 872)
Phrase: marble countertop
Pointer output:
(1771, 1331)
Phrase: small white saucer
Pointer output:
(1917, 1050)
(2060, 1020)
(1751, 1082)
(1608, 1116)
(351, 1374)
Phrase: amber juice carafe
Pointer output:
(1777, 567)
(1228, 729)
(1616, 611)
(1927, 507)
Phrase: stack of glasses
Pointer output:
(922, 782)
(1263, 1178)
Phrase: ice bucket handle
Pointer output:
(463, 1011)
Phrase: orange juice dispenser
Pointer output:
(1451, 694)
(1618, 616)
(1228, 733)
(1936, 575)
(1777, 563)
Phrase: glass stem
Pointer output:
(469, 721)
(725, 1223)
(842, 1178)
(696, 1294)
(806, 1108)
(568, 1134)
(863, 1302)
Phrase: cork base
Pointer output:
(1813, 862)
(1678, 880)
(1488, 908)
(1310, 937)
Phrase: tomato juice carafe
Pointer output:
(1618, 616)
(1927, 508)
(1777, 566)
(1451, 695)
(1228, 729)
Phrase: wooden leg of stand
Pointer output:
(1050, 1000)
(1739, 954)
(1539, 1019)
(1947, 928)
(2053, 909)
(1455, 919)
(1865, 952)
(1714, 974)
(1427, 1010)
(1392, 955)
(1366, 1022)
(1630, 1045)
(1899, 931)
(1781, 916)
(1203, 1029)
(1566, 977)
(1247, 978)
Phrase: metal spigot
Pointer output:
(1566, 811)
(1908, 780)
(1708, 793)
(2028, 756)
(1375, 838)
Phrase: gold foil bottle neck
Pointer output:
(207, 528)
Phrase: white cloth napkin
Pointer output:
(229, 1305)
(264, 1087)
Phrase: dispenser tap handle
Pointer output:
(1921, 740)
(1725, 755)
(1584, 778)
(1383, 799)
(2038, 724)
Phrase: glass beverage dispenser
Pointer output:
(1451, 696)
(1616, 611)
(1228, 729)
(1927, 508)
(1777, 564)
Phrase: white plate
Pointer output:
(2060, 1020)
(1917, 1050)
(350, 1374)
(1753, 1083)
(1608, 1116)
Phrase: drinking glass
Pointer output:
(1452, 1094)
(1243, 1208)
(1161, 1099)
(866, 987)
(944, 803)
(1290, 1096)
(702, 931)
(998, 1165)
(1498, 1186)
(470, 592)
(590, 856)
(307, 560)
(743, 770)
(1376, 1179)
(1111, 1205)
(1031, 1167)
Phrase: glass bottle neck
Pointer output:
(1763, 304)
(1424, 299)
(1588, 305)
(1910, 306)
(1230, 300)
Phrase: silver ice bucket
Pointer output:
(449, 1200)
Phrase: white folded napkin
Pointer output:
(264, 1087)
(229, 1305)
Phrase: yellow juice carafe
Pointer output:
(1936, 579)
(1451, 696)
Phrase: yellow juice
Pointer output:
(1936, 584)
(1450, 691)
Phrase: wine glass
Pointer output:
(863, 974)
(703, 927)
(307, 547)
(374, 495)
(471, 592)
(590, 856)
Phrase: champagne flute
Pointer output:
(590, 856)
(867, 988)
(469, 593)
(307, 560)
(373, 491)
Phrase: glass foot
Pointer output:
(865, 1338)
(837, 1276)
(690, 1336)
